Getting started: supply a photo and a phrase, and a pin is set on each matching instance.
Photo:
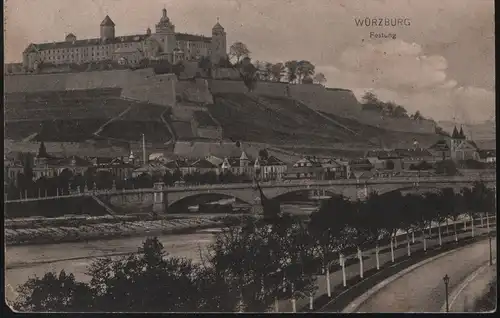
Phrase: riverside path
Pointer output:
(384, 257)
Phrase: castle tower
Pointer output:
(218, 45)
(107, 29)
(166, 31)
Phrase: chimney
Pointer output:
(144, 159)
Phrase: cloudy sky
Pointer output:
(441, 64)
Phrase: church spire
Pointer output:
(461, 133)
(455, 135)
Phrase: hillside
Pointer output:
(286, 122)
(77, 116)
(102, 116)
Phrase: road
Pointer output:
(423, 290)
(384, 257)
(463, 298)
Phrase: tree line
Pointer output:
(254, 265)
(293, 71)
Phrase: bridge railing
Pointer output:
(306, 183)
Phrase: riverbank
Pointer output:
(78, 229)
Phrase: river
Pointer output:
(22, 262)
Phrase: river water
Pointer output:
(23, 262)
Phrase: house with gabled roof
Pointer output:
(270, 168)
(385, 159)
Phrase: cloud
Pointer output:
(401, 72)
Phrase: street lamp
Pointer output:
(491, 253)
(446, 280)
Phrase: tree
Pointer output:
(329, 232)
(206, 65)
(52, 293)
(320, 78)
(435, 205)
(451, 206)
(263, 154)
(476, 201)
(424, 220)
(238, 50)
(292, 69)
(392, 203)
(417, 116)
(389, 165)
(248, 73)
(399, 112)
(277, 71)
(305, 69)
(360, 230)
(375, 213)
(446, 167)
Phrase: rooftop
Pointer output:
(119, 39)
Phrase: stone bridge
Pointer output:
(162, 197)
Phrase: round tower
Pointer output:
(218, 45)
(107, 29)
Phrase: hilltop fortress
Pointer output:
(198, 105)
(164, 44)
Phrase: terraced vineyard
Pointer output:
(204, 119)
(140, 119)
(74, 116)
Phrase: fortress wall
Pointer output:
(227, 86)
(337, 102)
(261, 88)
(69, 81)
(225, 73)
(195, 91)
(159, 89)
(209, 133)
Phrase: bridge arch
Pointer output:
(175, 198)
(306, 192)
(421, 187)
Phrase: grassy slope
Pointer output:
(285, 122)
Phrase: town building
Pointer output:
(385, 160)
(164, 44)
(305, 168)
(461, 148)
(270, 168)
(414, 157)
(456, 148)
(238, 165)
(487, 156)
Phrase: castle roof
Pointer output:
(107, 21)
(217, 26)
(120, 39)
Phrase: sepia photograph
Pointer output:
(250, 156)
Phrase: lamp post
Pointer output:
(491, 253)
(446, 280)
